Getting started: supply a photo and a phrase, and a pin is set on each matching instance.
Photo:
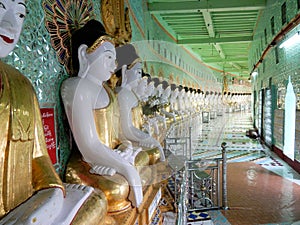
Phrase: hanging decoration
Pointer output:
(62, 18)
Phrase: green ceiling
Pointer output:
(219, 32)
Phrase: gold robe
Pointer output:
(107, 119)
(25, 166)
(137, 116)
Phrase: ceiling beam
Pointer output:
(211, 32)
(235, 65)
(232, 70)
(215, 40)
(220, 51)
(209, 24)
(227, 59)
(208, 6)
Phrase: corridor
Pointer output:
(261, 188)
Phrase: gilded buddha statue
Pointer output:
(31, 190)
(105, 160)
(173, 99)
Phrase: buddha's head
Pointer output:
(167, 92)
(174, 92)
(159, 90)
(129, 65)
(93, 49)
(150, 89)
(12, 15)
(166, 89)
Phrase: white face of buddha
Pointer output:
(12, 15)
(141, 88)
(150, 89)
(159, 90)
(167, 92)
(174, 94)
(134, 75)
(103, 60)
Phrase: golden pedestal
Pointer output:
(144, 214)
(157, 200)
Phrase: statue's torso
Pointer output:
(107, 121)
(20, 152)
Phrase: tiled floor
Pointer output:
(262, 189)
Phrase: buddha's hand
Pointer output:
(152, 143)
(129, 153)
(78, 187)
(146, 144)
(102, 170)
(162, 153)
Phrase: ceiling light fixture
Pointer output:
(254, 73)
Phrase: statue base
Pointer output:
(148, 210)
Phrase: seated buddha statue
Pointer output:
(149, 90)
(130, 67)
(186, 102)
(201, 100)
(173, 97)
(193, 103)
(158, 118)
(103, 160)
(137, 112)
(198, 100)
(171, 109)
(141, 88)
(165, 104)
(147, 122)
(31, 190)
(166, 92)
(180, 106)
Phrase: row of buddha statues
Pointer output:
(118, 117)
(170, 102)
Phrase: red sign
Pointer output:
(49, 130)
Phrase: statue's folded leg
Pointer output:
(49, 206)
(115, 188)
(42, 208)
(93, 211)
(75, 201)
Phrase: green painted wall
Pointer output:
(278, 64)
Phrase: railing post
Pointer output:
(224, 175)
(190, 142)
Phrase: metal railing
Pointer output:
(198, 184)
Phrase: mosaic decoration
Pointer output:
(62, 18)
(35, 58)
(33, 55)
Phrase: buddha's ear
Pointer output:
(124, 77)
(83, 61)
